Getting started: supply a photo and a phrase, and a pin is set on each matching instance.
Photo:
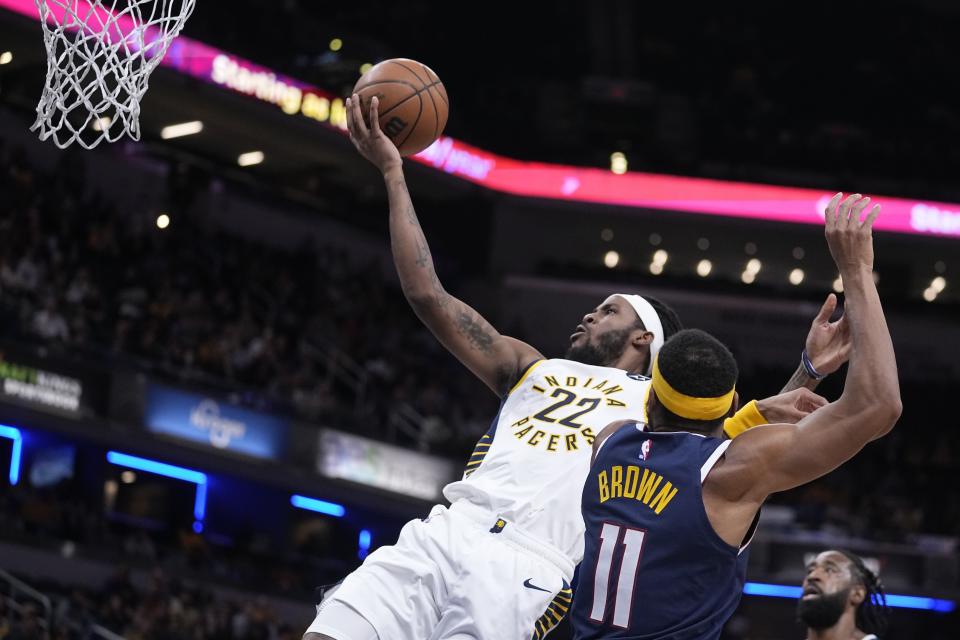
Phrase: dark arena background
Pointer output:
(215, 398)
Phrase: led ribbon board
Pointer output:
(543, 180)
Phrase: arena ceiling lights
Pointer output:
(543, 180)
(180, 130)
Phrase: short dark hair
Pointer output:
(872, 615)
(696, 364)
(669, 319)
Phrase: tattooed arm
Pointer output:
(494, 358)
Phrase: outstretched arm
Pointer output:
(779, 457)
(494, 358)
(787, 407)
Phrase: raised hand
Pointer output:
(370, 141)
(828, 343)
(849, 238)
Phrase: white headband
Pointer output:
(650, 319)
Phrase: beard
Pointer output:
(823, 611)
(608, 349)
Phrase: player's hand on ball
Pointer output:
(370, 141)
(828, 343)
(850, 239)
(790, 407)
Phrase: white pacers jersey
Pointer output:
(530, 467)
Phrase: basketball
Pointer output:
(413, 102)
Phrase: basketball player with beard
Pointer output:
(842, 599)
(499, 561)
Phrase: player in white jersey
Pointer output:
(497, 564)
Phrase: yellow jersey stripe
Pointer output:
(480, 451)
(554, 612)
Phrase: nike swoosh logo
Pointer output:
(528, 585)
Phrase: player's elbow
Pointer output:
(892, 411)
(896, 409)
(875, 415)
(884, 414)
(423, 299)
(419, 299)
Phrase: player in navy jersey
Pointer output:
(670, 505)
(498, 562)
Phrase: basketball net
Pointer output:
(100, 54)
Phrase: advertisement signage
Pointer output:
(213, 422)
(383, 466)
(37, 388)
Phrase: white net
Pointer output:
(100, 54)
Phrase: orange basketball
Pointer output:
(413, 102)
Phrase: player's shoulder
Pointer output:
(622, 429)
(596, 370)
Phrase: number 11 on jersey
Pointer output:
(626, 579)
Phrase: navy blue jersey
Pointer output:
(653, 567)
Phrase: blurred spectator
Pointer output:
(49, 323)
(75, 272)
(4, 619)
(28, 626)
(160, 613)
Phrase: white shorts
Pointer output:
(460, 573)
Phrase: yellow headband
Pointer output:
(687, 406)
